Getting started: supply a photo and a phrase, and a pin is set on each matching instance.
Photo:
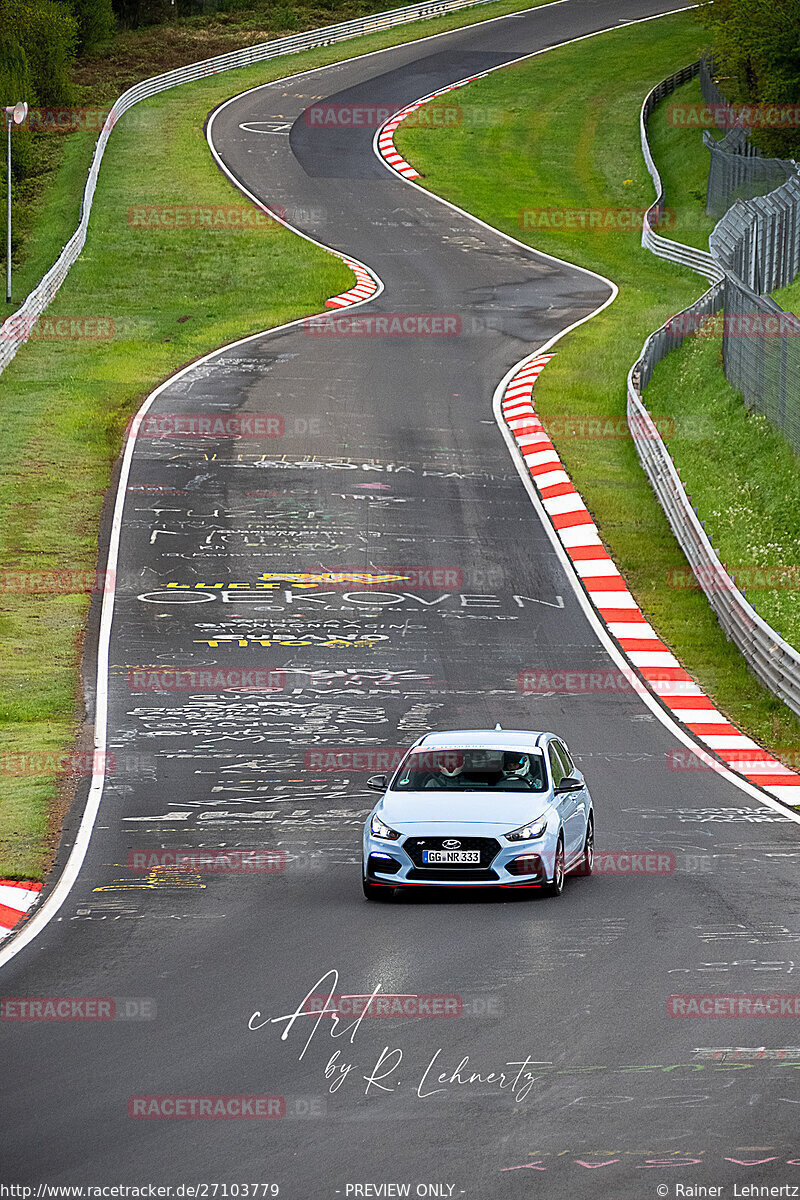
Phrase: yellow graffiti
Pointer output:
(298, 579)
(221, 641)
(157, 878)
(309, 579)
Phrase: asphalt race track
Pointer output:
(390, 461)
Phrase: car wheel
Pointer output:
(556, 886)
(373, 891)
(587, 859)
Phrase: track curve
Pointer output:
(390, 458)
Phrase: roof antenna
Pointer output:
(498, 725)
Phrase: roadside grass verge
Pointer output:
(571, 141)
(46, 208)
(172, 295)
(134, 54)
(741, 472)
(789, 297)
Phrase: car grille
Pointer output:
(413, 846)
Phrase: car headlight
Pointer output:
(379, 830)
(527, 833)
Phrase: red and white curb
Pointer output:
(387, 148)
(16, 898)
(366, 286)
(616, 606)
(385, 140)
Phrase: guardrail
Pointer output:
(775, 663)
(685, 256)
(771, 659)
(18, 327)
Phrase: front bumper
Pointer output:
(514, 865)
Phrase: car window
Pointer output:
(564, 755)
(555, 764)
(471, 770)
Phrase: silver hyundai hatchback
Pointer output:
(479, 808)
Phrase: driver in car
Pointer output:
(521, 772)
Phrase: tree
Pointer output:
(757, 49)
(15, 85)
(95, 22)
(46, 32)
(132, 13)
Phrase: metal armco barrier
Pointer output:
(17, 329)
(686, 256)
(774, 662)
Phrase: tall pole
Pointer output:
(15, 115)
(8, 220)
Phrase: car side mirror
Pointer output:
(377, 783)
(568, 784)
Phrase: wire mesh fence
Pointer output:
(759, 240)
(737, 170)
(757, 243)
(761, 357)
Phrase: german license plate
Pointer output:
(463, 858)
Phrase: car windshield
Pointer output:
(471, 770)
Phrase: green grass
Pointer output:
(570, 140)
(741, 473)
(789, 297)
(134, 54)
(172, 295)
(47, 206)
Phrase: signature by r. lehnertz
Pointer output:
(388, 1071)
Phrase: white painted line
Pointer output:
(401, 113)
